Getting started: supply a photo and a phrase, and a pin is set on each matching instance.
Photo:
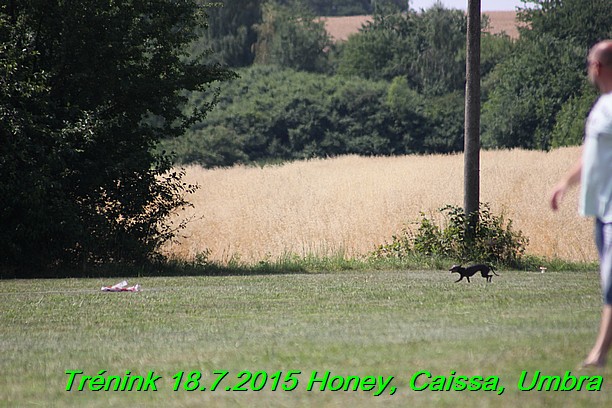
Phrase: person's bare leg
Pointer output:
(597, 356)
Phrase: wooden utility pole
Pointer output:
(471, 172)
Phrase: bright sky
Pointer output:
(485, 5)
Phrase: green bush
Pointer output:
(569, 125)
(494, 240)
(292, 37)
(272, 113)
(86, 92)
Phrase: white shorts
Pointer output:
(603, 240)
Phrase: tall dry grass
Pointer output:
(352, 204)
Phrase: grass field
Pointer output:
(393, 323)
(348, 205)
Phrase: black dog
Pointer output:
(472, 270)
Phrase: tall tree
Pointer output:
(428, 48)
(292, 38)
(439, 63)
(91, 87)
(528, 90)
(582, 21)
(545, 71)
(231, 31)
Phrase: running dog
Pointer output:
(484, 270)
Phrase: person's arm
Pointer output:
(571, 178)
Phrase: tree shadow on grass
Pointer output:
(153, 269)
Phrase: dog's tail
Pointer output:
(493, 270)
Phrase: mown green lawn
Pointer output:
(358, 324)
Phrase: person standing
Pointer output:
(593, 171)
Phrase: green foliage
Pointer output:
(439, 65)
(428, 48)
(494, 49)
(445, 123)
(292, 38)
(494, 240)
(583, 22)
(272, 113)
(533, 93)
(368, 55)
(215, 146)
(342, 7)
(90, 88)
(536, 97)
(528, 89)
(230, 31)
(569, 124)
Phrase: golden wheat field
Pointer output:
(351, 204)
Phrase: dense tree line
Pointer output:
(274, 113)
(534, 92)
(394, 88)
